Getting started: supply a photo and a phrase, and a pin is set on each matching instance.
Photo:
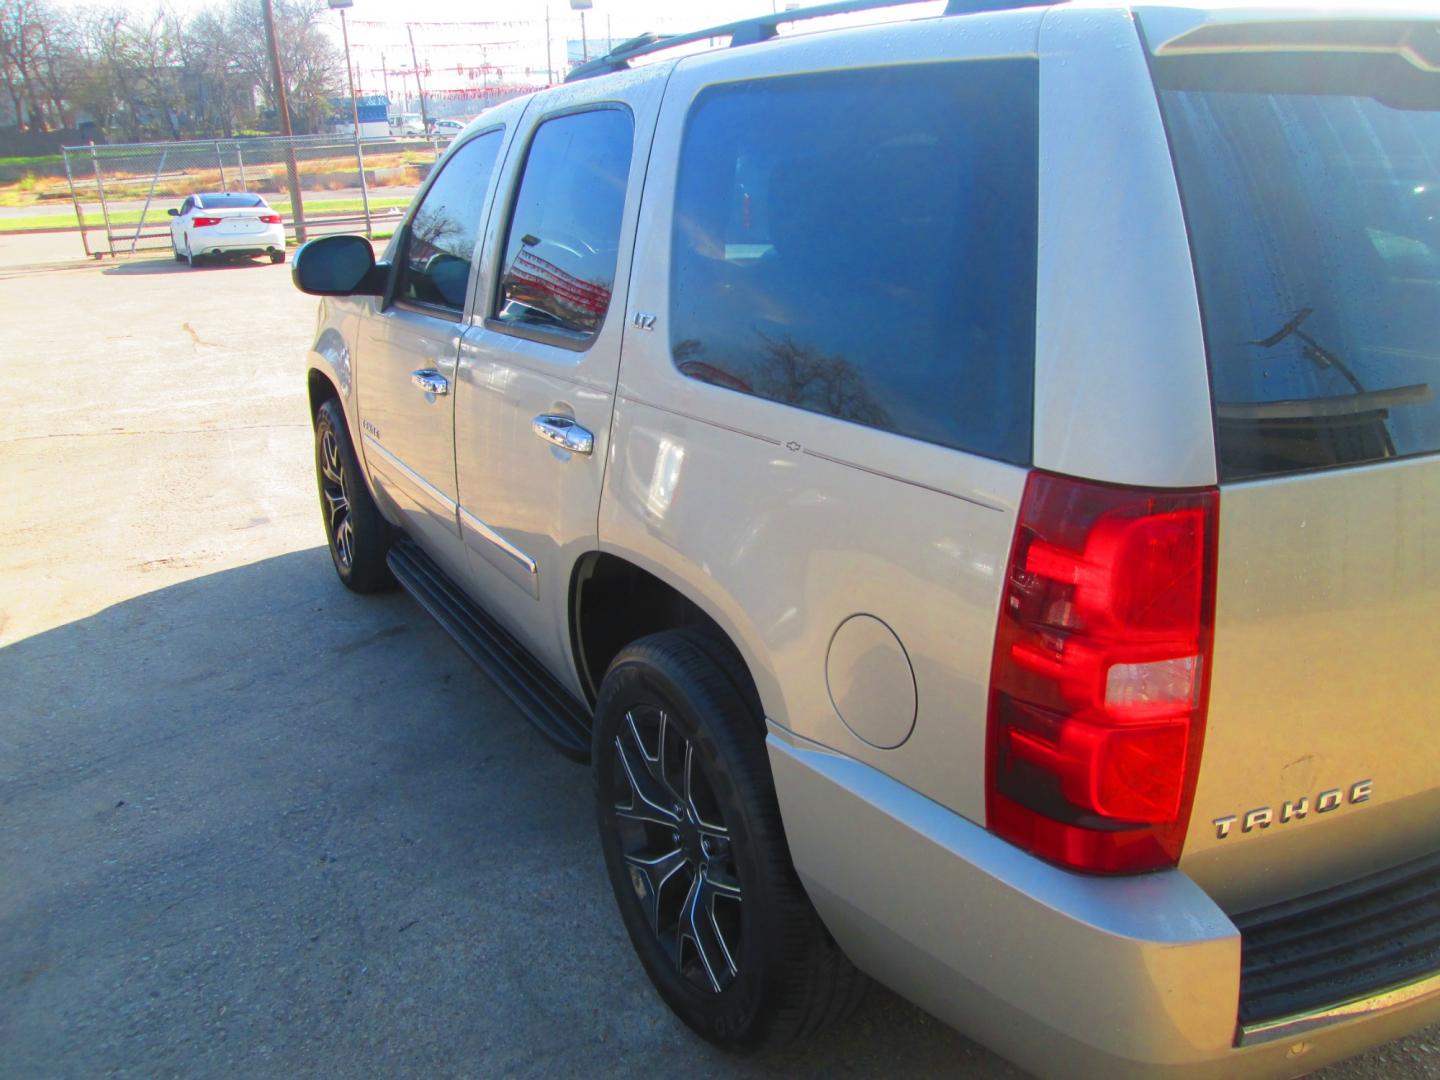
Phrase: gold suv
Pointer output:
(969, 488)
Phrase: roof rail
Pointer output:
(763, 28)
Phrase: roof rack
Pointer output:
(763, 28)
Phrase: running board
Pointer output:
(553, 710)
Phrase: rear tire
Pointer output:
(696, 852)
(359, 537)
(277, 256)
(191, 258)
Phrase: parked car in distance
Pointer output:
(226, 223)
(447, 128)
(970, 489)
(407, 124)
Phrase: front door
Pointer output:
(408, 348)
(539, 361)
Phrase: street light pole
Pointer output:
(354, 112)
(282, 106)
(582, 6)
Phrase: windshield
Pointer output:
(228, 202)
(1311, 186)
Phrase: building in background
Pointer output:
(373, 111)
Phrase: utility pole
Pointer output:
(415, 59)
(549, 67)
(282, 106)
(385, 81)
(354, 111)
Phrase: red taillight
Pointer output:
(270, 219)
(202, 222)
(1101, 673)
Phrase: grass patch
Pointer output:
(34, 159)
(157, 216)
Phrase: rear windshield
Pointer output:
(229, 202)
(1311, 185)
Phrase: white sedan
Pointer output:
(226, 223)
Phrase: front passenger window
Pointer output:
(446, 227)
(565, 230)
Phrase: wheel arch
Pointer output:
(321, 388)
(614, 600)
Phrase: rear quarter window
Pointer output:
(862, 244)
(1311, 186)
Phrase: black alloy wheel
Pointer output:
(359, 537)
(336, 500)
(677, 849)
(696, 851)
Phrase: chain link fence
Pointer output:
(123, 193)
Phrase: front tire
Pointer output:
(696, 852)
(359, 538)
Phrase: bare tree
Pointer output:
(314, 69)
(18, 61)
(162, 75)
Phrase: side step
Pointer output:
(533, 690)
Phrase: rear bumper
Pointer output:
(272, 239)
(1065, 974)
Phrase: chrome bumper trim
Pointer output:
(1287, 1027)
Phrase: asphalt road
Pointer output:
(251, 823)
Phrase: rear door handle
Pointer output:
(564, 433)
(431, 381)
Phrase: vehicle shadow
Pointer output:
(169, 265)
(253, 812)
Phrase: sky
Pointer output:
(505, 36)
(468, 44)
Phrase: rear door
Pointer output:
(538, 365)
(1311, 183)
(408, 346)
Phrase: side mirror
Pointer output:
(337, 266)
(173, 212)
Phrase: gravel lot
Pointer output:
(250, 822)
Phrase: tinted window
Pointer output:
(862, 244)
(1312, 189)
(565, 232)
(230, 202)
(446, 227)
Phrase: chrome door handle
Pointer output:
(564, 433)
(431, 381)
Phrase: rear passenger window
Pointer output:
(862, 244)
(441, 243)
(565, 231)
